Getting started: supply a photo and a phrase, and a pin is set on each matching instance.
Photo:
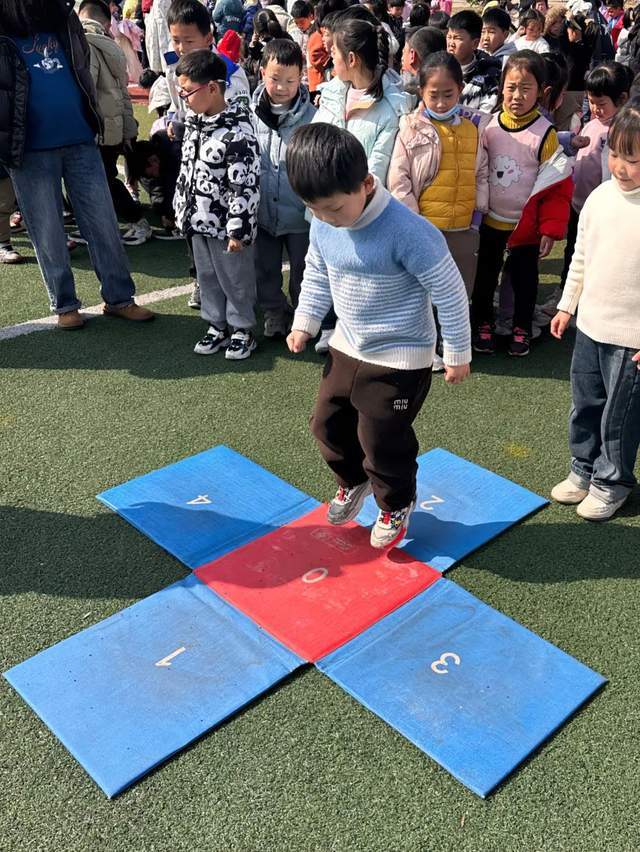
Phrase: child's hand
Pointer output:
(456, 375)
(297, 341)
(171, 132)
(546, 244)
(636, 358)
(578, 142)
(234, 245)
(559, 325)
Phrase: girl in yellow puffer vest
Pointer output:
(439, 168)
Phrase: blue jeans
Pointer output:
(604, 425)
(38, 187)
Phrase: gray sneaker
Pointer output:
(275, 324)
(391, 527)
(347, 503)
(194, 298)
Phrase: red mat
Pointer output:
(314, 586)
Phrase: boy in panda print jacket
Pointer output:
(216, 204)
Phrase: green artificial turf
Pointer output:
(305, 767)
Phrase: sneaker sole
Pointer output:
(241, 356)
(484, 351)
(355, 511)
(194, 305)
(166, 238)
(519, 354)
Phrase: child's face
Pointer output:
(541, 6)
(555, 29)
(327, 38)
(340, 63)
(395, 11)
(187, 38)
(441, 92)
(303, 24)
(492, 38)
(520, 91)
(625, 169)
(342, 208)
(461, 45)
(602, 107)
(282, 82)
(201, 98)
(533, 30)
(152, 167)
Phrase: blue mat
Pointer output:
(467, 685)
(460, 507)
(207, 505)
(127, 693)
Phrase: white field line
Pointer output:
(47, 323)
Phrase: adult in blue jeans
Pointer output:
(49, 122)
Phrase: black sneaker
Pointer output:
(241, 345)
(484, 339)
(519, 344)
(213, 340)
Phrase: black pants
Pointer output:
(126, 208)
(522, 266)
(572, 234)
(362, 422)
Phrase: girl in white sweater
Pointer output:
(604, 281)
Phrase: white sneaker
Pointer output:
(213, 340)
(76, 237)
(9, 255)
(322, 346)
(568, 492)
(137, 233)
(595, 509)
(240, 346)
(391, 527)
(438, 364)
(347, 503)
(194, 298)
(275, 325)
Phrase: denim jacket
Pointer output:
(281, 210)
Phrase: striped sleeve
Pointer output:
(437, 272)
(315, 295)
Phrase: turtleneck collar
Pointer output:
(508, 119)
(379, 200)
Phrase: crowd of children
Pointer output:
(400, 158)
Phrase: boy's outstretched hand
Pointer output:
(456, 375)
(559, 324)
(297, 341)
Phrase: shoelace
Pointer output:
(484, 332)
(520, 335)
(394, 519)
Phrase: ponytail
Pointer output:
(370, 43)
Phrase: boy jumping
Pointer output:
(381, 266)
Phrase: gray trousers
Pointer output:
(227, 283)
(7, 206)
(269, 250)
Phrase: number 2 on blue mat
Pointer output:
(427, 505)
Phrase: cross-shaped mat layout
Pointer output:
(296, 589)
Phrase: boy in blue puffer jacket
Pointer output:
(280, 105)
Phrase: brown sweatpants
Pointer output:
(362, 422)
(7, 206)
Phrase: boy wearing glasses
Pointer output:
(216, 204)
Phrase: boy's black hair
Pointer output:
(396, 3)
(187, 12)
(467, 20)
(441, 59)
(148, 78)
(138, 157)
(419, 16)
(301, 9)
(98, 9)
(23, 18)
(609, 80)
(323, 160)
(427, 40)
(624, 135)
(354, 13)
(440, 20)
(203, 66)
(497, 17)
(284, 51)
(326, 7)
(531, 15)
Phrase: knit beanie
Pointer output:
(229, 45)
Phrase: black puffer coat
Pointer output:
(14, 87)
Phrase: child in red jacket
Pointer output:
(530, 190)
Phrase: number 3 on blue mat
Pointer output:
(428, 505)
(441, 666)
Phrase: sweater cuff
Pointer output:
(456, 359)
(307, 324)
(567, 306)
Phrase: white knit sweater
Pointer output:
(604, 277)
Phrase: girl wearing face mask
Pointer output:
(439, 168)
